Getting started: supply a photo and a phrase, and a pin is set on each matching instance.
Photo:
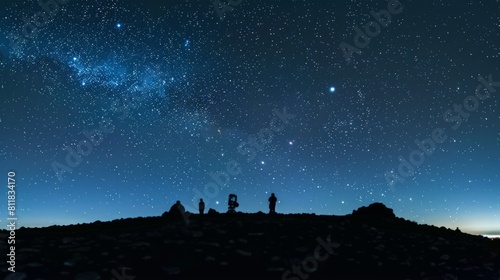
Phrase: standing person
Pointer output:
(201, 206)
(272, 204)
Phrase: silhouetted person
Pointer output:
(272, 204)
(201, 206)
(177, 209)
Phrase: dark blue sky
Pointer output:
(118, 109)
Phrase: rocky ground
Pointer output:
(369, 244)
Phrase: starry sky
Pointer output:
(116, 109)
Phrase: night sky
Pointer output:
(116, 109)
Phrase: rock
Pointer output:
(214, 244)
(197, 233)
(172, 270)
(153, 234)
(212, 212)
(103, 237)
(445, 257)
(127, 235)
(375, 210)
(28, 250)
(244, 253)
(301, 249)
(88, 275)
(16, 276)
(275, 259)
(406, 264)
(140, 244)
(276, 269)
(34, 264)
(177, 242)
(68, 240)
(79, 249)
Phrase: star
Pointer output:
(332, 89)
(118, 25)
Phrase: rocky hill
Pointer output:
(371, 243)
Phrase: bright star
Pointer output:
(332, 89)
(118, 25)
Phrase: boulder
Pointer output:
(375, 210)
